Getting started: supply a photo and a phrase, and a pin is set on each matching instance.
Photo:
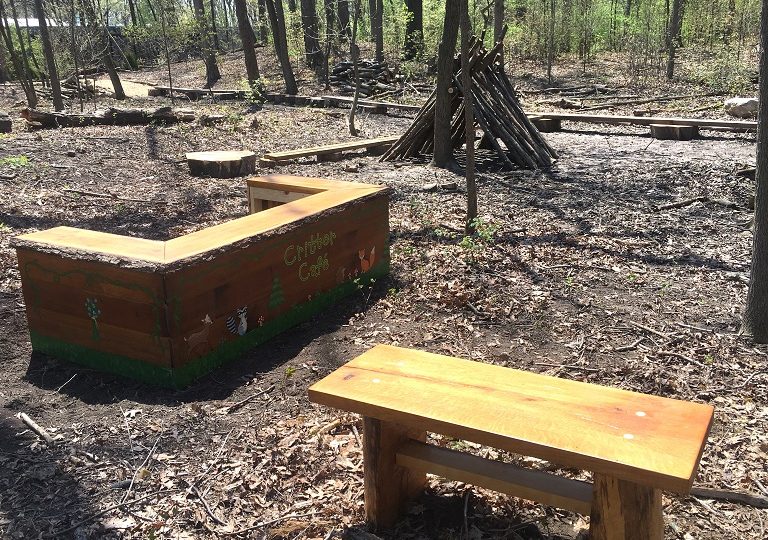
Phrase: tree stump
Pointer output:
(547, 125)
(5, 123)
(222, 164)
(668, 132)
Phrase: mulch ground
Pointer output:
(579, 272)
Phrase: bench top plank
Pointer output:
(326, 194)
(641, 438)
(331, 148)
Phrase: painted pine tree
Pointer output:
(276, 296)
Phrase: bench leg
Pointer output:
(387, 486)
(624, 510)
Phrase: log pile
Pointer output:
(107, 117)
(497, 113)
(375, 78)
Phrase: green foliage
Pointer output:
(15, 161)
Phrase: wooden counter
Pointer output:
(169, 312)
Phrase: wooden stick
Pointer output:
(749, 499)
(680, 204)
(31, 424)
(648, 329)
(235, 406)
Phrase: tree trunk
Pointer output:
(75, 53)
(756, 313)
(132, 10)
(214, 31)
(209, 54)
(19, 62)
(50, 58)
(105, 45)
(4, 74)
(443, 150)
(312, 50)
(377, 28)
(673, 31)
(469, 121)
(277, 20)
(414, 29)
(342, 10)
(498, 25)
(551, 41)
(249, 46)
(354, 54)
(262, 17)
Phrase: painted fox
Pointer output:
(367, 264)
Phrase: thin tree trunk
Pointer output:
(354, 54)
(498, 25)
(673, 31)
(261, 8)
(164, 28)
(756, 313)
(342, 10)
(19, 63)
(414, 29)
(151, 10)
(212, 73)
(443, 150)
(309, 24)
(249, 46)
(20, 38)
(100, 26)
(214, 31)
(551, 41)
(75, 53)
(50, 57)
(469, 120)
(377, 28)
(277, 20)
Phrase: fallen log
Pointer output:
(703, 123)
(106, 117)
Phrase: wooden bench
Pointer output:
(323, 152)
(635, 444)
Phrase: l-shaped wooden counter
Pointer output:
(169, 312)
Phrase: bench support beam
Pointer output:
(388, 487)
(539, 486)
(624, 510)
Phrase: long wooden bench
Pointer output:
(635, 444)
(274, 158)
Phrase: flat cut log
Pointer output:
(222, 164)
(5, 123)
(669, 132)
